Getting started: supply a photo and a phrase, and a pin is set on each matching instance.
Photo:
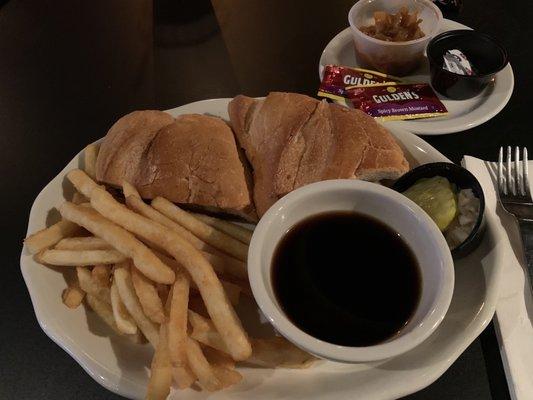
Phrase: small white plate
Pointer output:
(463, 114)
(122, 367)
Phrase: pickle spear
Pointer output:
(437, 197)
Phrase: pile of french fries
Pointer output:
(159, 274)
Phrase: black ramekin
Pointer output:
(463, 179)
(486, 55)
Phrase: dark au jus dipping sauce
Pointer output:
(346, 278)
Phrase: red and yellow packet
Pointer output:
(337, 78)
(396, 101)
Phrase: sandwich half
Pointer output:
(292, 140)
(192, 160)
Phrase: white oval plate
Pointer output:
(463, 114)
(122, 367)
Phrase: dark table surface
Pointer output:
(69, 69)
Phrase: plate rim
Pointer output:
(413, 125)
(88, 365)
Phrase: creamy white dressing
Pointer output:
(463, 224)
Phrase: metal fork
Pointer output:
(515, 198)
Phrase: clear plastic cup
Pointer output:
(394, 58)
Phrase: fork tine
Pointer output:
(519, 184)
(525, 175)
(501, 187)
(509, 178)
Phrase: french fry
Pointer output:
(218, 358)
(125, 323)
(200, 366)
(204, 332)
(227, 265)
(223, 371)
(177, 332)
(92, 287)
(48, 237)
(122, 278)
(183, 376)
(171, 262)
(83, 243)
(148, 297)
(236, 231)
(199, 322)
(160, 371)
(275, 352)
(138, 338)
(210, 235)
(177, 269)
(91, 153)
(220, 309)
(103, 310)
(138, 205)
(211, 339)
(78, 198)
(227, 377)
(244, 285)
(129, 190)
(144, 259)
(102, 274)
(72, 296)
(279, 352)
(272, 353)
(222, 263)
(132, 198)
(75, 258)
(233, 293)
(232, 290)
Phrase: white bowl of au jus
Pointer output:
(350, 271)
